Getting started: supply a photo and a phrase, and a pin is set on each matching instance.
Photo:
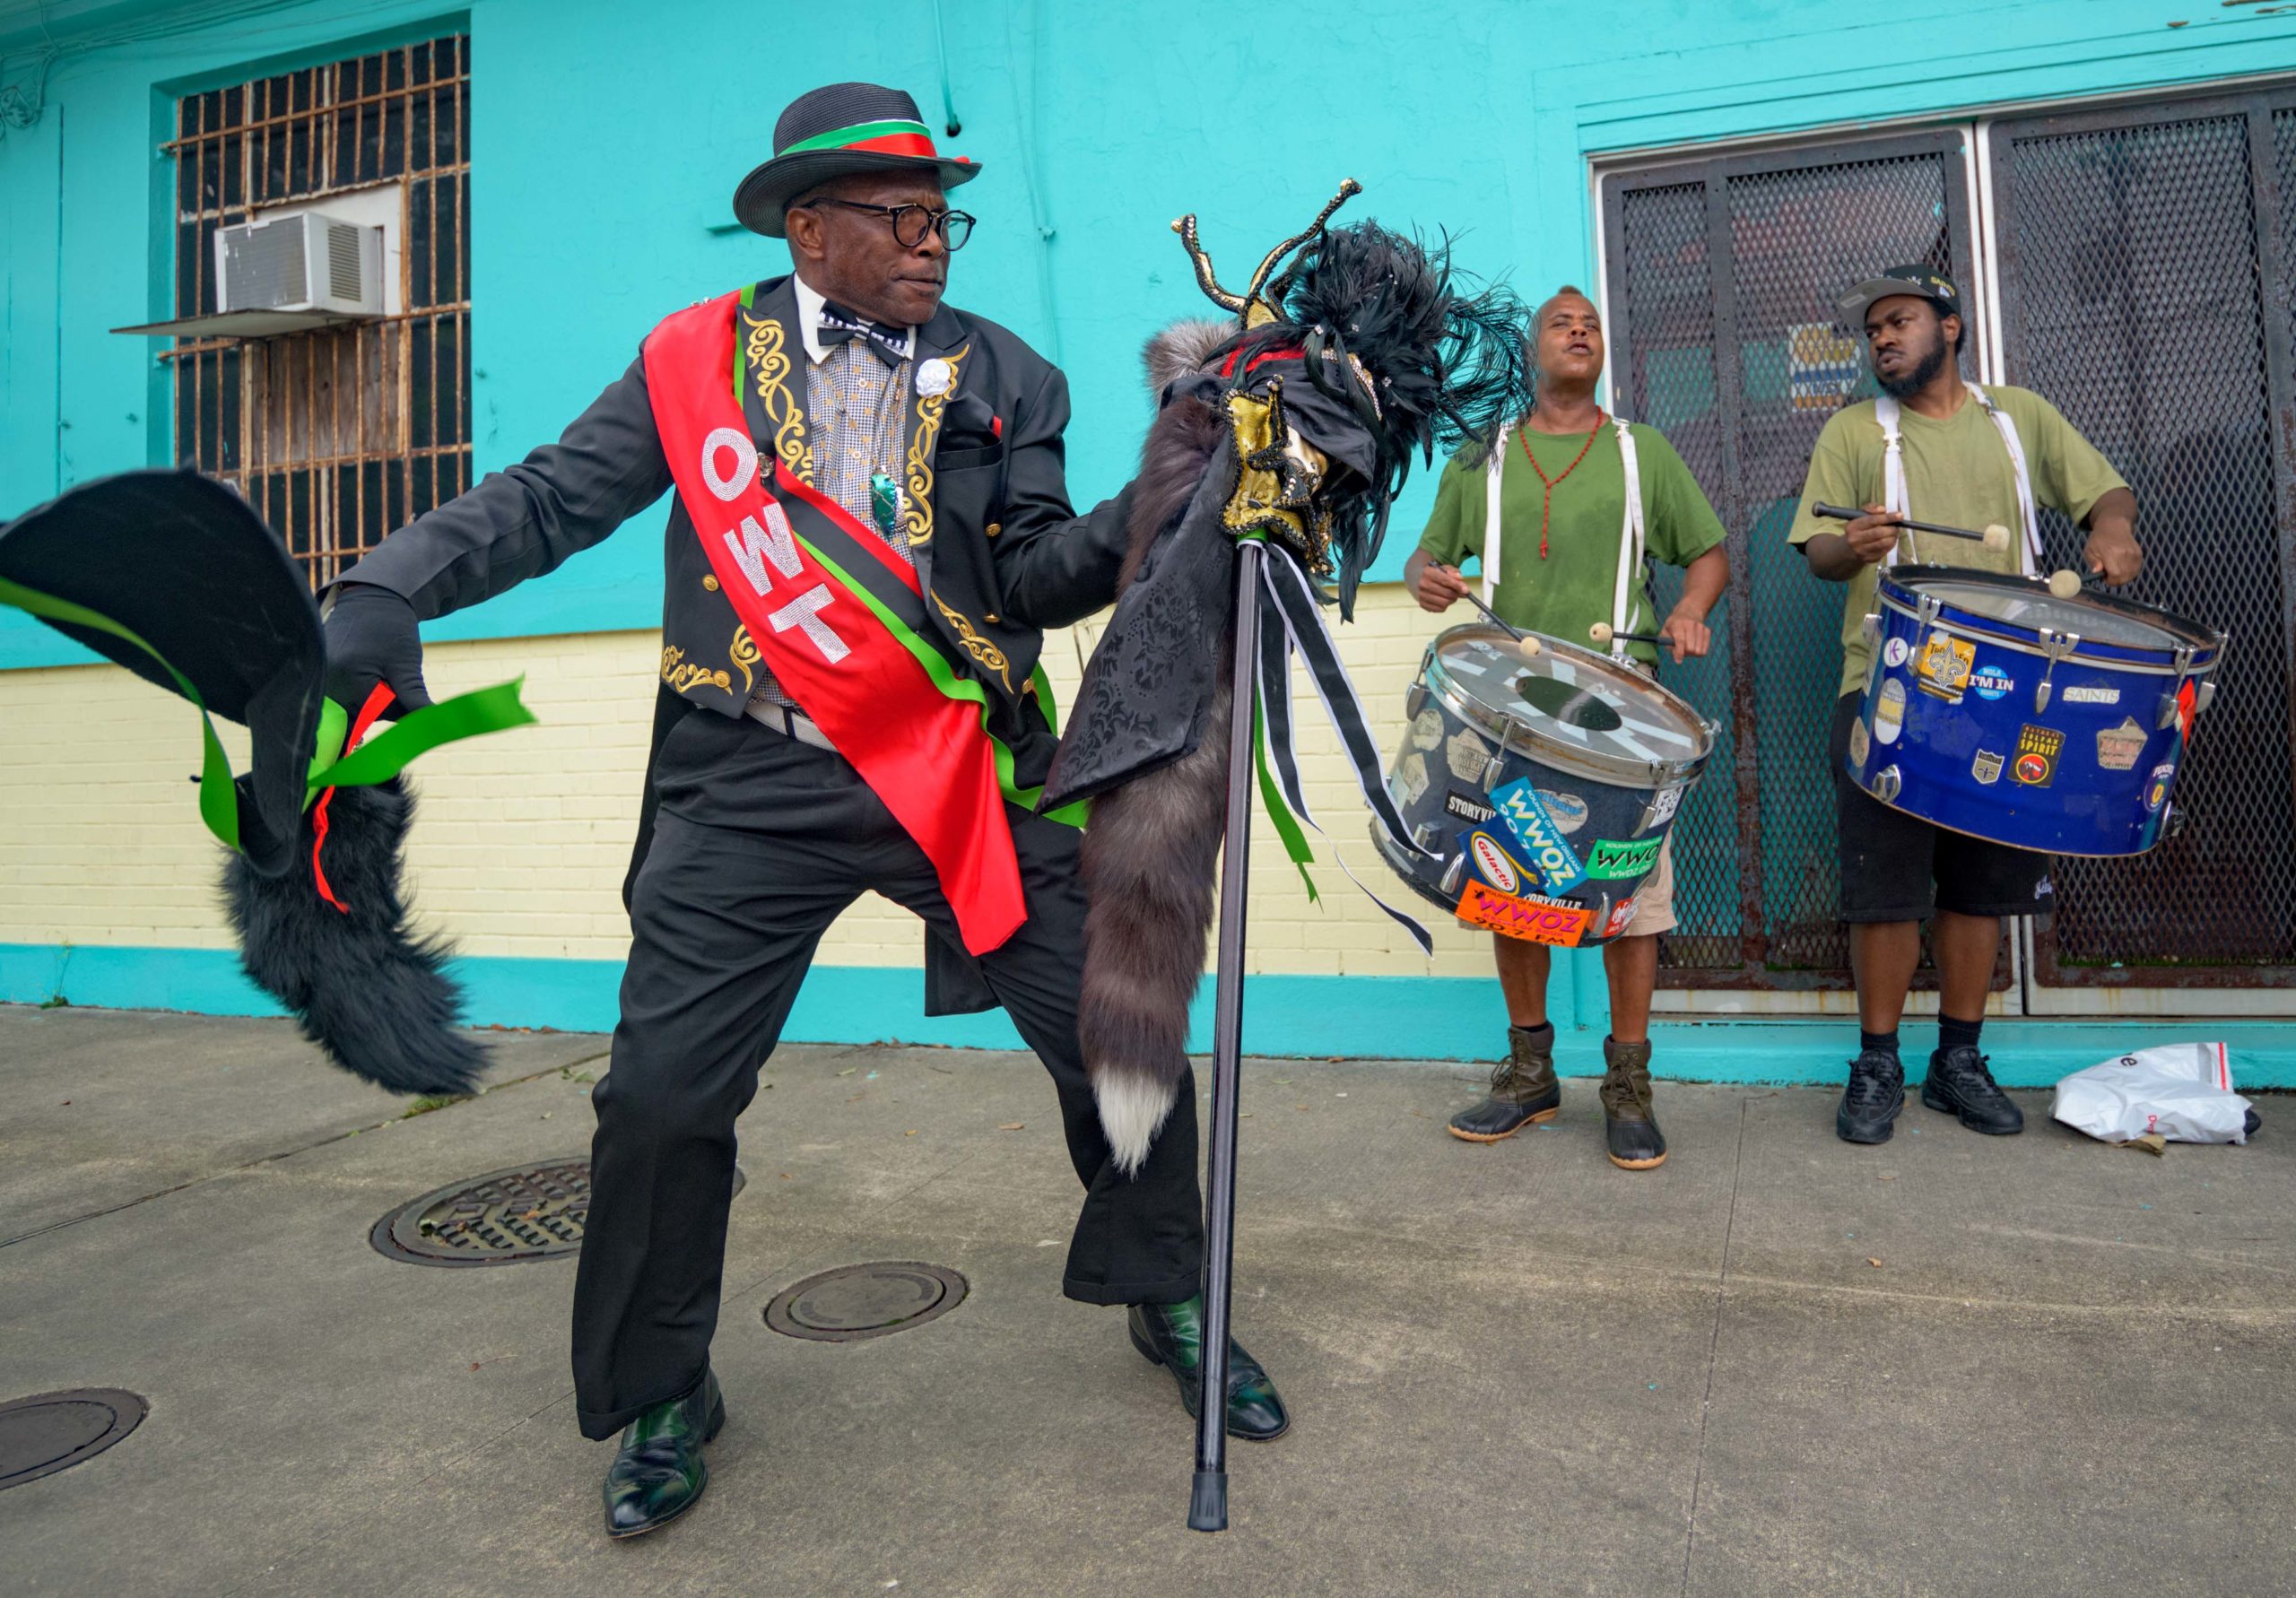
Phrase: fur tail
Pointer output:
(363, 986)
(1147, 867)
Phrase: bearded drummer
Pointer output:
(1950, 452)
(1560, 565)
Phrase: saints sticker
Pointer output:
(2093, 693)
(1987, 768)
(1860, 744)
(1889, 712)
(1468, 754)
(1427, 728)
(2117, 748)
(2037, 751)
(1945, 665)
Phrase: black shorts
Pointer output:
(1897, 867)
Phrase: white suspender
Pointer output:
(1894, 494)
(1630, 535)
(1491, 520)
(1630, 542)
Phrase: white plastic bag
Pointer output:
(2182, 1092)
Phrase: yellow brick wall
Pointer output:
(524, 837)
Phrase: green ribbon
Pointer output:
(1287, 825)
(380, 759)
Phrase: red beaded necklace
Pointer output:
(1546, 507)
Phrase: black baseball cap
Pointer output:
(1932, 286)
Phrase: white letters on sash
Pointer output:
(775, 543)
(804, 613)
(753, 546)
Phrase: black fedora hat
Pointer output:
(828, 133)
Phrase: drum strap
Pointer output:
(1632, 536)
(1886, 413)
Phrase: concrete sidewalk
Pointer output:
(1513, 1369)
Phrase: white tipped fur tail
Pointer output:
(1133, 1111)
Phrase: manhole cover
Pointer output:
(526, 1213)
(857, 1301)
(54, 1431)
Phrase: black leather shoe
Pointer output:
(1523, 1091)
(1628, 1126)
(1960, 1085)
(659, 1474)
(1870, 1102)
(1172, 1335)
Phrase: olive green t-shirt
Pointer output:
(1571, 590)
(1957, 472)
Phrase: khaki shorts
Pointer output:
(1654, 901)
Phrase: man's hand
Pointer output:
(1872, 536)
(371, 637)
(1687, 631)
(1437, 587)
(2112, 550)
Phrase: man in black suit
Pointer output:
(870, 535)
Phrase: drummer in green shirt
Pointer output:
(1558, 569)
(1966, 456)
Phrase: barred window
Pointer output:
(341, 434)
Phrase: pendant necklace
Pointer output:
(1546, 507)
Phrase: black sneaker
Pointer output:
(1960, 1084)
(1870, 1102)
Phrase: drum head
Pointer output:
(2026, 604)
(1575, 709)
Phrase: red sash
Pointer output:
(835, 647)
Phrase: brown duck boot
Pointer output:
(1522, 1090)
(1636, 1143)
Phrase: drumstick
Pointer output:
(1603, 633)
(2064, 583)
(1995, 537)
(1525, 645)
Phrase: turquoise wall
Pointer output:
(607, 139)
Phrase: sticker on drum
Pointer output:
(1491, 862)
(1662, 808)
(1613, 859)
(1894, 652)
(1622, 918)
(2157, 794)
(1945, 665)
(2117, 748)
(1412, 770)
(2093, 693)
(1467, 755)
(1427, 728)
(1889, 712)
(1991, 680)
(1860, 744)
(1541, 842)
(1467, 808)
(1531, 917)
(1569, 811)
(2037, 751)
(1986, 767)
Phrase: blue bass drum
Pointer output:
(1541, 779)
(1997, 709)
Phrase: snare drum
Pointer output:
(1541, 785)
(1997, 709)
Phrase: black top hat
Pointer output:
(828, 133)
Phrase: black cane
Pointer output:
(1208, 1508)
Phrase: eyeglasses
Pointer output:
(911, 223)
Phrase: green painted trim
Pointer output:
(1375, 1017)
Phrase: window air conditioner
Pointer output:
(307, 262)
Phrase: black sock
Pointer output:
(1887, 1042)
(1953, 1034)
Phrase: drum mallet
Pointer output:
(1995, 537)
(1526, 645)
(1603, 633)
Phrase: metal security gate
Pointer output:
(1721, 278)
(341, 435)
(2147, 268)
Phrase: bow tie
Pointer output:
(839, 324)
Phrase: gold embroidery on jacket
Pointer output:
(770, 369)
(988, 655)
(744, 651)
(918, 519)
(681, 674)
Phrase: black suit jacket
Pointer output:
(1007, 556)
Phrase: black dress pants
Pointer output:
(759, 841)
